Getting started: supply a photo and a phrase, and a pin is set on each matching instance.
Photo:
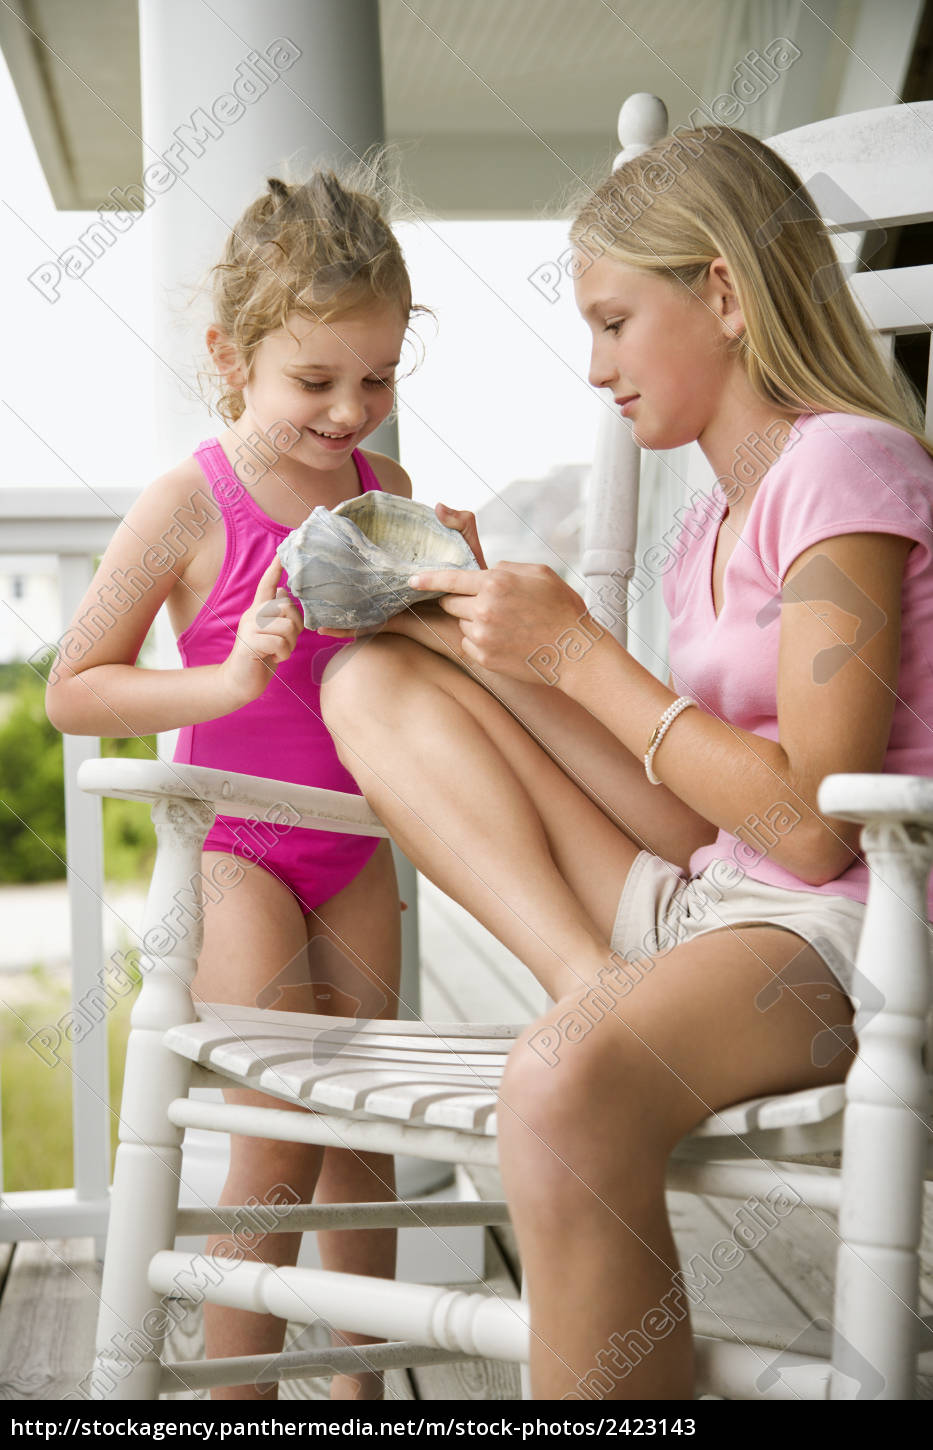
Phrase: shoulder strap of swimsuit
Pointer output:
(366, 472)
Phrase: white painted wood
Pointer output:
(525, 1369)
(611, 508)
(372, 1135)
(887, 1121)
(812, 1105)
(412, 1083)
(148, 1162)
(473, 976)
(473, 1324)
(330, 97)
(223, 1022)
(471, 1378)
(249, 796)
(878, 162)
(316, 1216)
(437, 1374)
(897, 300)
(409, 888)
(820, 1187)
(323, 1364)
(90, 1079)
(69, 521)
(878, 798)
(73, 525)
(28, 63)
(185, 1343)
(729, 1370)
(50, 1213)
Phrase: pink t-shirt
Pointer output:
(837, 474)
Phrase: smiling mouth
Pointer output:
(333, 437)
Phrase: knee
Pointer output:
(360, 677)
(587, 1096)
(554, 1101)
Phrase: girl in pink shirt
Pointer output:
(652, 851)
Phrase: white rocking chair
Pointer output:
(429, 1090)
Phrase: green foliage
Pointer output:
(32, 806)
(37, 1095)
(32, 799)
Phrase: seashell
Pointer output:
(348, 566)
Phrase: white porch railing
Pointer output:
(72, 527)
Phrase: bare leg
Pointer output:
(367, 914)
(250, 936)
(585, 1132)
(595, 760)
(479, 807)
(255, 935)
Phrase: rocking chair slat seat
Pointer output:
(420, 1084)
(443, 1087)
(812, 1105)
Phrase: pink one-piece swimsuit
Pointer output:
(281, 735)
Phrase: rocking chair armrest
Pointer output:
(249, 796)
(878, 797)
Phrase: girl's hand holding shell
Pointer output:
(349, 567)
(265, 638)
(507, 613)
(465, 524)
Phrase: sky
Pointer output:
(500, 394)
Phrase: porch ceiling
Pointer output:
(501, 103)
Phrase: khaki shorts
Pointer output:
(659, 908)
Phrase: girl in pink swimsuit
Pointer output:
(311, 304)
(280, 734)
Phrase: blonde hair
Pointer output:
(322, 247)
(806, 345)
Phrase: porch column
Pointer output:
(230, 94)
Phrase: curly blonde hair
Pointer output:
(322, 248)
(806, 344)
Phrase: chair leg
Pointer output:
(134, 1318)
(524, 1366)
(875, 1340)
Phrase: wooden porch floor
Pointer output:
(49, 1291)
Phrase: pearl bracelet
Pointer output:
(660, 730)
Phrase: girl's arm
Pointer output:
(734, 777)
(523, 620)
(94, 686)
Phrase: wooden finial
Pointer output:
(642, 121)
